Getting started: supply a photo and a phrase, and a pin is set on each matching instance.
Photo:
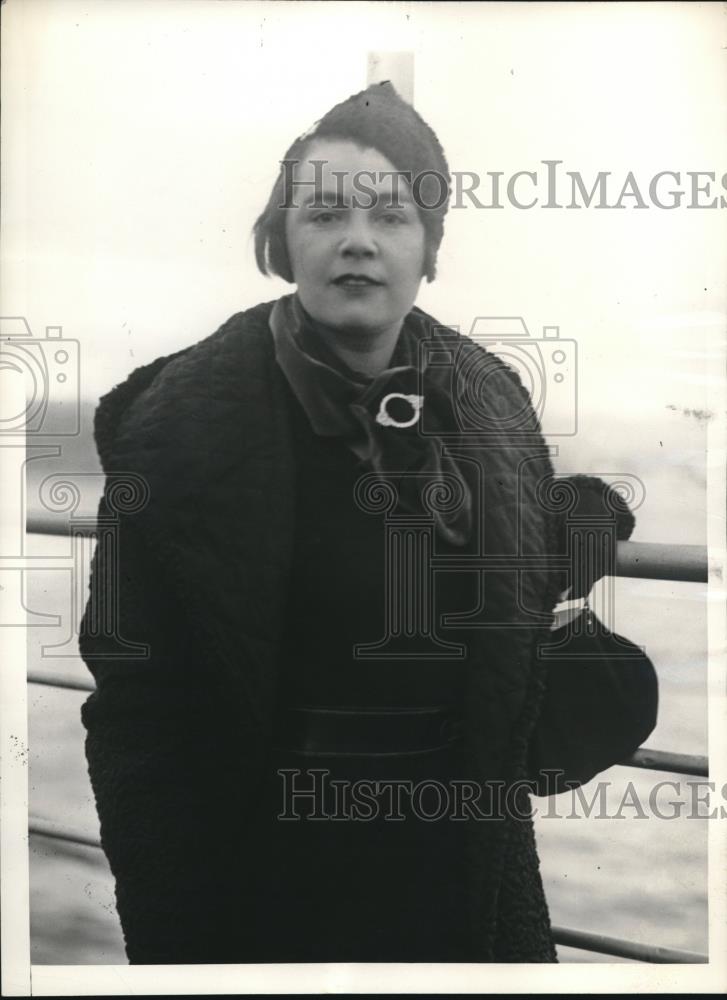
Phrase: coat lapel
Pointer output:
(207, 429)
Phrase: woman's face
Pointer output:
(357, 265)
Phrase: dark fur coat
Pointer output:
(200, 496)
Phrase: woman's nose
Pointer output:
(358, 239)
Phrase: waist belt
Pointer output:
(370, 732)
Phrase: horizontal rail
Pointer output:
(571, 938)
(47, 828)
(50, 680)
(566, 936)
(665, 760)
(654, 760)
(648, 560)
(659, 561)
(47, 524)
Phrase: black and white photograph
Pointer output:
(363, 412)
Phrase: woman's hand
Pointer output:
(595, 505)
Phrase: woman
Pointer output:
(326, 661)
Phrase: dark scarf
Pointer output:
(342, 403)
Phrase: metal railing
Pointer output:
(649, 560)
(617, 947)
(685, 563)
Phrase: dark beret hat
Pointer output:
(379, 118)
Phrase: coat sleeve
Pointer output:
(600, 704)
(167, 768)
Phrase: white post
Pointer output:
(398, 67)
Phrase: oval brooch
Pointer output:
(410, 405)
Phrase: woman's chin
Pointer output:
(357, 319)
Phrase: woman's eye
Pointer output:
(392, 219)
(325, 218)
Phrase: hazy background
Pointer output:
(140, 142)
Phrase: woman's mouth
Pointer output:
(356, 281)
